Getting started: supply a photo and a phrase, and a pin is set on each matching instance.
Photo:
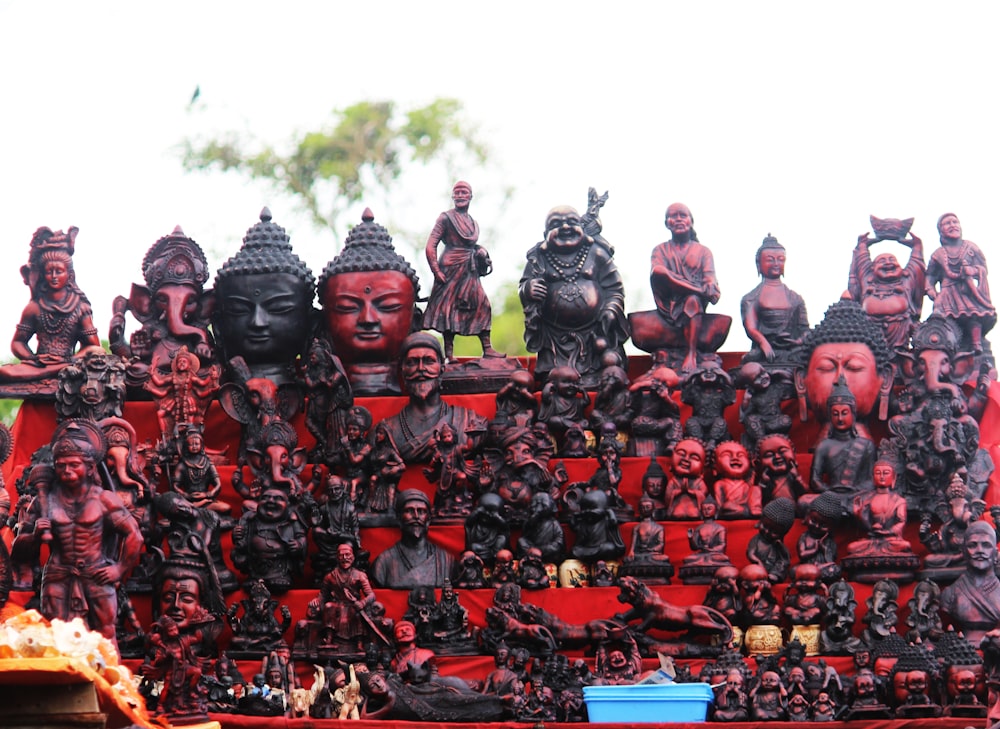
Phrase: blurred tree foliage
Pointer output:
(8, 411)
(365, 149)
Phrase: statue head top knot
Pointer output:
(264, 297)
(368, 293)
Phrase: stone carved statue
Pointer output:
(458, 304)
(412, 429)
(72, 515)
(684, 284)
(58, 315)
(264, 303)
(91, 387)
(173, 308)
(368, 293)
(183, 394)
(774, 316)
(573, 298)
(847, 343)
(957, 284)
(413, 561)
(891, 295)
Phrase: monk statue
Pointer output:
(884, 553)
(58, 316)
(774, 316)
(890, 294)
(458, 304)
(573, 298)
(684, 284)
(957, 284)
(843, 461)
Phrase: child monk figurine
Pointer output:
(686, 489)
(737, 496)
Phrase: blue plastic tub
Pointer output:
(645, 703)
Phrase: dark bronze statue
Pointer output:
(264, 303)
(58, 316)
(256, 632)
(458, 304)
(413, 561)
(646, 556)
(774, 316)
(412, 429)
(972, 602)
(957, 284)
(885, 553)
(709, 390)
(173, 308)
(269, 544)
(683, 279)
(767, 547)
(760, 410)
(891, 295)
(91, 387)
(368, 293)
(574, 299)
(72, 516)
(655, 416)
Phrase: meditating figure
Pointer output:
(708, 543)
(774, 316)
(882, 514)
(58, 315)
(844, 460)
(458, 304)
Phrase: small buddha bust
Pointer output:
(264, 303)
(368, 293)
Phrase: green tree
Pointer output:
(363, 151)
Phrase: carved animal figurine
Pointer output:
(653, 612)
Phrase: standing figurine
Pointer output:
(387, 468)
(354, 452)
(458, 304)
(957, 284)
(182, 396)
(891, 295)
(573, 298)
(75, 517)
(58, 316)
(449, 473)
(774, 316)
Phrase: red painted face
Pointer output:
(369, 314)
(856, 362)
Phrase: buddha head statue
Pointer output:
(368, 293)
(848, 344)
(264, 295)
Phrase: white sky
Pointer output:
(795, 118)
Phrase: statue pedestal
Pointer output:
(871, 568)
